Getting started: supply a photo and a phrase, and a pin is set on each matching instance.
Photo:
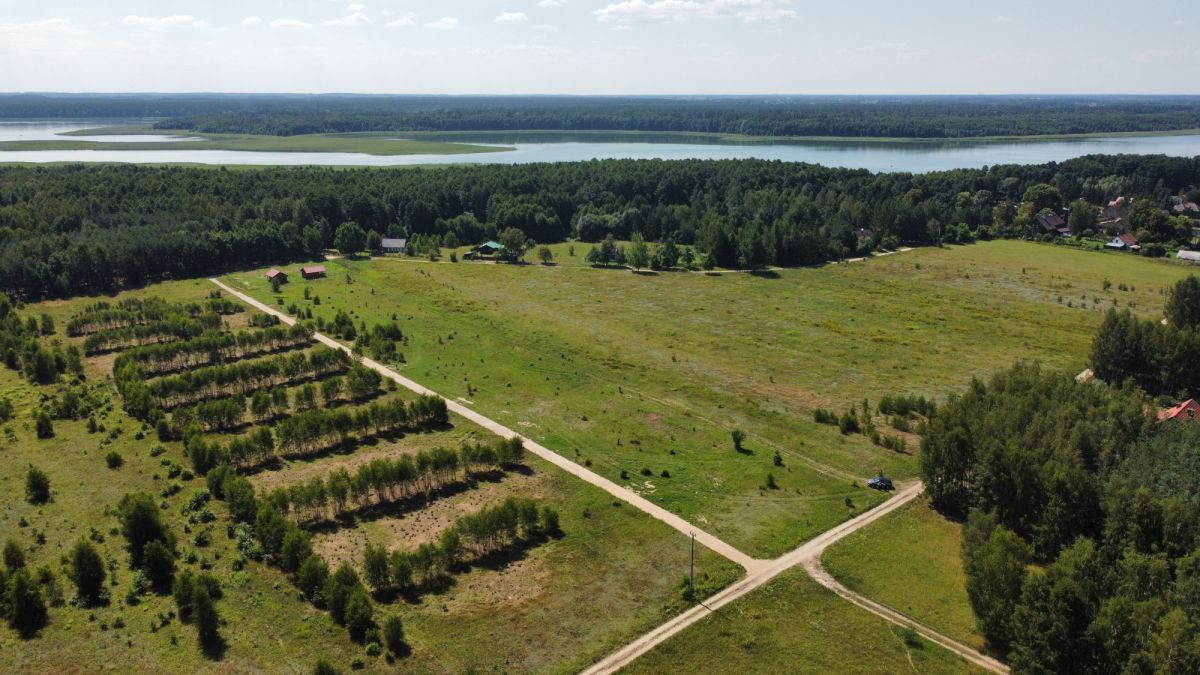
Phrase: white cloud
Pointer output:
(356, 7)
(630, 11)
(353, 19)
(511, 17)
(161, 22)
(444, 23)
(39, 26)
(290, 23)
(251, 21)
(552, 3)
(405, 19)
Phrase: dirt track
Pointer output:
(758, 572)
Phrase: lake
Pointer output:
(915, 157)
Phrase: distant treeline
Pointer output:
(858, 116)
(78, 229)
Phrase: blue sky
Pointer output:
(602, 46)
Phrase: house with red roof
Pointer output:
(312, 271)
(274, 274)
(1184, 412)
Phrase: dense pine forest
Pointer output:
(855, 116)
(82, 229)
(1082, 537)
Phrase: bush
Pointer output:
(207, 619)
(113, 459)
(359, 614)
(45, 428)
(159, 565)
(393, 635)
(738, 437)
(37, 486)
(323, 667)
(14, 557)
(848, 424)
(87, 570)
(26, 607)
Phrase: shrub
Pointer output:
(738, 437)
(44, 427)
(37, 486)
(771, 484)
(359, 615)
(14, 557)
(113, 459)
(848, 424)
(393, 634)
(87, 570)
(26, 607)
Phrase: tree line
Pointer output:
(65, 231)
(386, 481)
(23, 352)
(1082, 538)
(222, 380)
(213, 347)
(513, 523)
(154, 332)
(1161, 357)
(105, 316)
(313, 431)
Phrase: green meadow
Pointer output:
(643, 376)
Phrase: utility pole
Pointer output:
(692, 575)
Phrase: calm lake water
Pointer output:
(875, 156)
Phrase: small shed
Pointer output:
(1184, 412)
(1189, 256)
(312, 271)
(274, 274)
(391, 245)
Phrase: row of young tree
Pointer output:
(386, 481)
(104, 315)
(1161, 357)
(154, 332)
(358, 384)
(1082, 537)
(213, 347)
(91, 229)
(243, 377)
(315, 431)
(513, 523)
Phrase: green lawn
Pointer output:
(356, 143)
(634, 372)
(560, 605)
(792, 625)
(910, 561)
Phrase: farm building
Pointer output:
(394, 245)
(485, 250)
(274, 274)
(1124, 241)
(1052, 223)
(1189, 256)
(1184, 412)
(312, 271)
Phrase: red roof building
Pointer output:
(274, 274)
(1184, 412)
(312, 271)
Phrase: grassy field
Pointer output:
(554, 608)
(792, 625)
(910, 561)
(641, 374)
(352, 143)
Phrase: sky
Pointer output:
(602, 46)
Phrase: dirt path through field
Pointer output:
(622, 493)
(758, 572)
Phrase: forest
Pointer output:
(93, 229)
(1082, 537)
(853, 116)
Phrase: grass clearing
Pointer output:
(351, 143)
(646, 373)
(792, 625)
(910, 561)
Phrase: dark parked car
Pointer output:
(880, 483)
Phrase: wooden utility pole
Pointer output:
(692, 575)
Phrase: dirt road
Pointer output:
(620, 492)
(758, 572)
(809, 557)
